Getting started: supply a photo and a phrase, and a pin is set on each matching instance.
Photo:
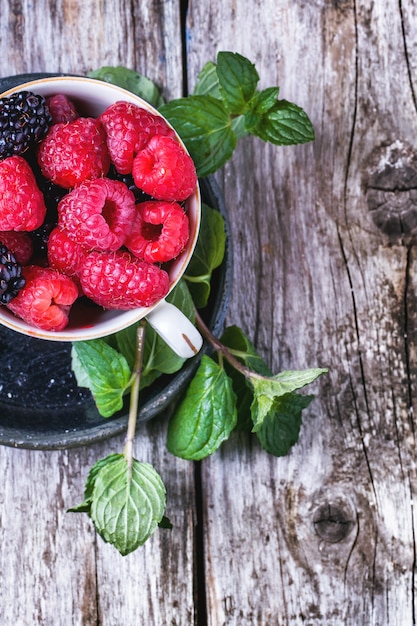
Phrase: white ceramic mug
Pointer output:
(91, 97)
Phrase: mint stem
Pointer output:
(222, 350)
(134, 395)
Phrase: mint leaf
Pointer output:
(85, 506)
(126, 504)
(206, 415)
(238, 126)
(130, 80)
(207, 256)
(242, 348)
(204, 125)
(283, 124)
(165, 523)
(267, 390)
(238, 79)
(181, 296)
(104, 371)
(280, 428)
(208, 82)
(260, 104)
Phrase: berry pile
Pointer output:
(89, 207)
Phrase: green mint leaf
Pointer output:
(130, 80)
(238, 79)
(242, 348)
(206, 415)
(204, 125)
(238, 126)
(283, 124)
(267, 390)
(126, 503)
(208, 82)
(260, 104)
(181, 296)
(281, 427)
(165, 523)
(85, 506)
(104, 371)
(208, 254)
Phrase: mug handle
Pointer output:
(175, 329)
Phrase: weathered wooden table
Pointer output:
(325, 274)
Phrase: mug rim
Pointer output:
(115, 320)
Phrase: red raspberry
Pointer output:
(45, 301)
(64, 254)
(19, 243)
(74, 152)
(129, 128)
(61, 108)
(164, 170)
(98, 214)
(22, 206)
(159, 232)
(118, 280)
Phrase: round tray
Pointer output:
(41, 406)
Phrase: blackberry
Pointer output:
(11, 279)
(127, 179)
(24, 121)
(40, 237)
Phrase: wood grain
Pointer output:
(323, 285)
(324, 243)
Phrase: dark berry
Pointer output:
(127, 179)
(24, 122)
(11, 279)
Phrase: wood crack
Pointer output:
(411, 421)
(407, 60)
(183, 26)
(200, 591)
(358, 421)
(408, 270)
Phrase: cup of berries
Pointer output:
(99, 213)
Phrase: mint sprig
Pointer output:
(275, 410)
(233, 387)
(226, 106)
(124, 498)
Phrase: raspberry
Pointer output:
(61, 108)
(22, 206)
(164, 170)
(118, 280)
(159, 232)
(74, 152)
(129, 128)
(19, 243)
(45, 301)
(98, 214)
(64, 254)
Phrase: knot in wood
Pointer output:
(392, 194)
(333, 521)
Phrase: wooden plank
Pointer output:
(325, 535)
(54, 570)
